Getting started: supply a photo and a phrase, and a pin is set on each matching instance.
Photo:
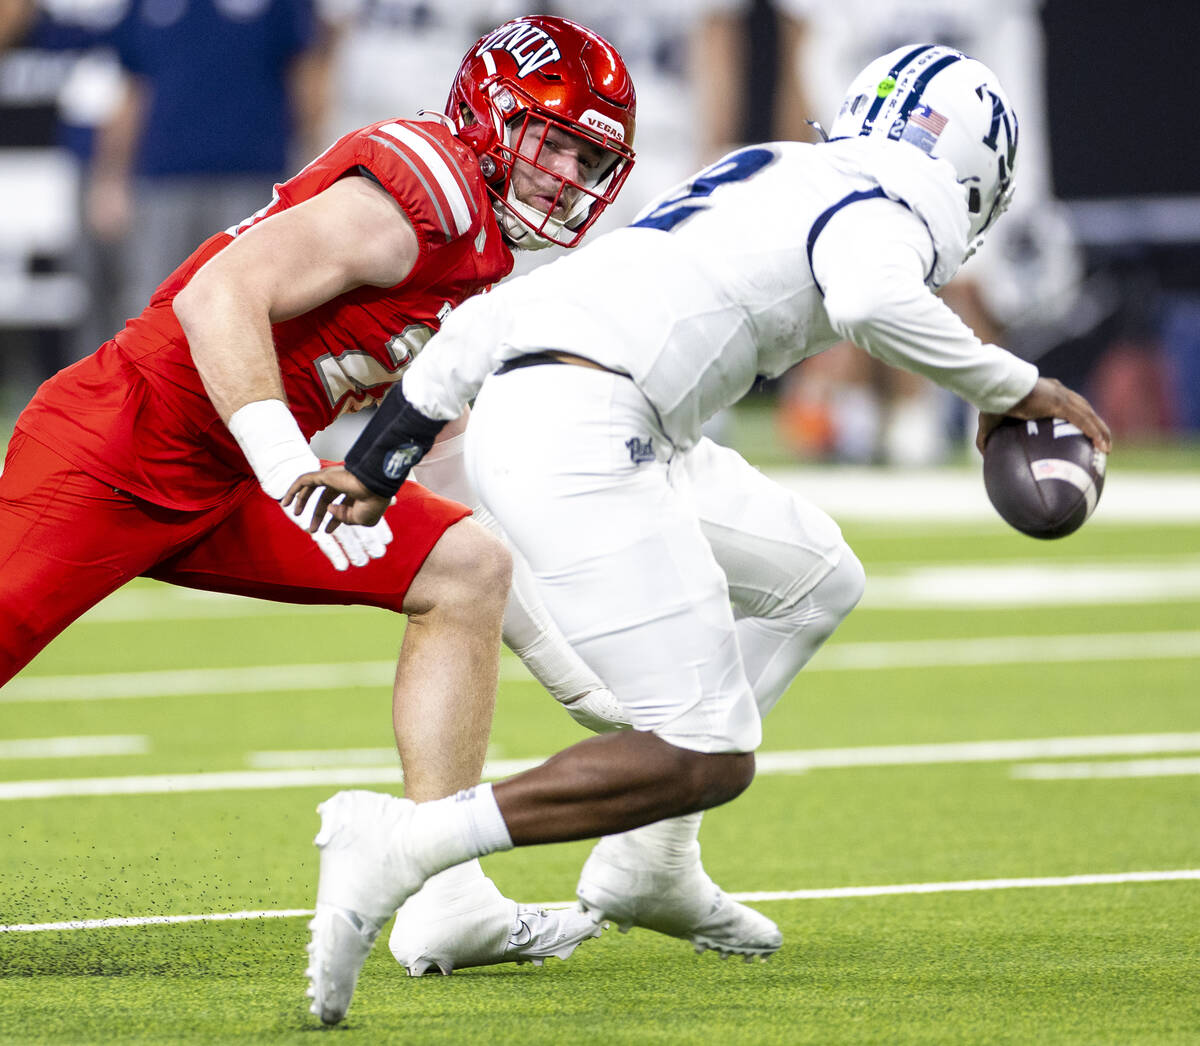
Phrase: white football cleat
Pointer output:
(363, 880)
(497, 930)
(682, 903)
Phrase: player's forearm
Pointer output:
(906, 326)
(871, 263)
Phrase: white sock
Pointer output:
(447, 832)
(672, 843)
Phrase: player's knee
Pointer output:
(492, 562)
(467, 575)
(840, 591)
(727, 776)
(481, 564)
(710, 779)
(818, 612)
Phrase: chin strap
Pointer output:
(521, 235)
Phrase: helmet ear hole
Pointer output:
(974, 201)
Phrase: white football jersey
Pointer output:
(769, 256)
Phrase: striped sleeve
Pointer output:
(428, 177)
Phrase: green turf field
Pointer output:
(1006, 908)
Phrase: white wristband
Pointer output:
(273, 444)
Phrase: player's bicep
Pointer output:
(866, 254)
(350, 235)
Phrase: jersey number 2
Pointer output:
(735, 167)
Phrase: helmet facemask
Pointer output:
(528, 145)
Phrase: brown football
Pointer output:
(1044, 477)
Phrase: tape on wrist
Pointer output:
(271, 440)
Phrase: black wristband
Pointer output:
(395, 439)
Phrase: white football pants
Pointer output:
(638, 551)
(528, 630)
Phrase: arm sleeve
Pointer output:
(454, 363)
(871, 261)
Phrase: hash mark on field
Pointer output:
(831, 894)
(71, 747)
(838, 657)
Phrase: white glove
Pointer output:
(598, 711)
(350, 544)
(279, 454)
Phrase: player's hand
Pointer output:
(350, 546)
(342, 497)
(1050, 398)
(277, 452)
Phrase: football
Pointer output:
(1043, 477)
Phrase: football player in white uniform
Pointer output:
(654, 550)
(1020, 290)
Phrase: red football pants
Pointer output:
(68, 540)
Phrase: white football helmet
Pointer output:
(947, 105)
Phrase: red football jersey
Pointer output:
(135, 413)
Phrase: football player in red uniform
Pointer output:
(164, 453)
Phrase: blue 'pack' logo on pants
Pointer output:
(640, 449)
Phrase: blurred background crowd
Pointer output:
(130, 130)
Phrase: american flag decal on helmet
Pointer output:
(925, 117)
(923, 128)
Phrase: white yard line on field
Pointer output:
(311, 758)
(831, 894)
(71, 747)
(155, 920)
(1008, 584)
(188, 682)
(996, 650)
(837, 657)
(969, 585)
(970, 885)
(786, 762)
(1123, 768)
(974, 751)
(955, 496)
(803, 759)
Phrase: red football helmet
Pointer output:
(520, 89)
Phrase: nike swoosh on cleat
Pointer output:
(521, 936)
